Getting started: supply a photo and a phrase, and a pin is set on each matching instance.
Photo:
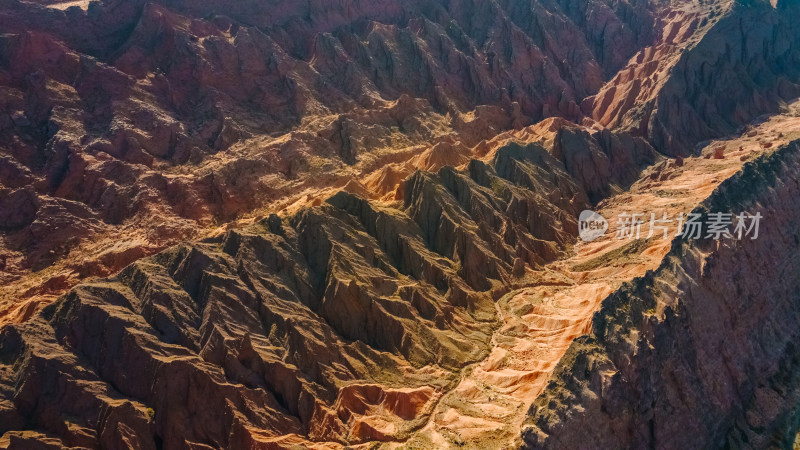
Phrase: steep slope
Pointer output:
(377, 206)
(128, 126)
(715, 67)
(700, 353)
(344, 323)
(554, 305)
(161, 121)
(349, 323)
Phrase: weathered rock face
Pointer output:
(603, 162)
(133, 116)
(744, 67)
(295, 327)
(715, 67)
(400, 139)
(700, 353)
(130, 116)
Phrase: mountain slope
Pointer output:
(700, 353)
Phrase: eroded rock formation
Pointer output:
(157, 120)
(299, 223)
(294, 326)
(715, 67)
(700, 353)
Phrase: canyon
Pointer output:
(329, 224)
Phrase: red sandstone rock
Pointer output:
(669, 348)
(130, 126)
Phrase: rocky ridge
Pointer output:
(323, 320)
(701, 352)
(427, 159)
(345, 324)
(159, 122)
(715, 68)
(128, 126)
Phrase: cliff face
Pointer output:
(745, 66)
(715, 67)
(701, 352)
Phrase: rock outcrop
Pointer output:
(294, 327)
(125, 117)
(296, 222)
(157, 120)
(700, 353)
(715, 68)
